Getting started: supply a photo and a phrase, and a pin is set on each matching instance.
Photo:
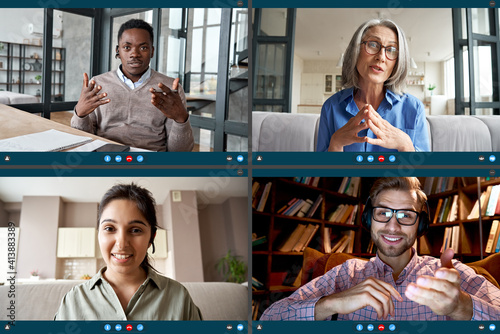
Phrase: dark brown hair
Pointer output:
(145, 203)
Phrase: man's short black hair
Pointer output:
(136, 23)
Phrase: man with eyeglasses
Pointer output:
(396, 284)
(372, 112)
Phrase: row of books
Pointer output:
(300, 207)
(310, 181)
(446, 210)
(344, 214)
(493, 243)
(260, 195)
(435, 185)
(343, 243)
(350, 186)
(490, 203)
(299, 239)
(455, 238)
(256, 240)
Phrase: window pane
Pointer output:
(481, 21)
(212, 51)
(203, 140)
(171, 49)
(213, 16)
(174, 17)
(273, 22)
(484, 111)
(483, 75)
(198, 17)
(466, 74)
(70, 55)
(236, 143)
(203, 52)
(117, 22)
(238, 105)
(276, 108)
(238, 100)
(464, 23)
(270, 71)
(21, 55)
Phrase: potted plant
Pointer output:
(232, 268)
(38, 78)
(34, 275)
(431, 88)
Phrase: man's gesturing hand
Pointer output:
(90, 98)
(371, 292)
(442, 293)
(169, 102)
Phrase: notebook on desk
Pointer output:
(46, 141)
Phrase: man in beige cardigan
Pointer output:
(135, 105)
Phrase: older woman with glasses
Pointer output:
(372, 114)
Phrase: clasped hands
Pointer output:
(388, 136)
(441, 293)
(167, 100)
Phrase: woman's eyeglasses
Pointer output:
(404, 217)
(373, 48)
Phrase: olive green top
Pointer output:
(158, 298)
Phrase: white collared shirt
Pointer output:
(129, 82)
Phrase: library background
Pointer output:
(298, 221)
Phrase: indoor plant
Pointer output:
(34, 275)
(232, 268)
(431, 88)
(38, 78)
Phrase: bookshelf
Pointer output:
(22, 63)
(471, 231)
(271, 267)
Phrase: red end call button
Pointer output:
(381, 327)
(129, 158)
(380, 158)
(129, 327)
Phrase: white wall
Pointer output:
(184, 261)
(223, 227)
(298, 66)
(14, 23)
(38, 235)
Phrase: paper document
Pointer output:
(46, 141)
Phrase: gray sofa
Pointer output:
(298, 132)
(40, 301)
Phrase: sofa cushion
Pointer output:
(459, 133)
(219, 300)
(493, 124)
(285, 132)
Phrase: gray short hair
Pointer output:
(397, 80)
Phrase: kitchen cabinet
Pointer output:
(77, 242)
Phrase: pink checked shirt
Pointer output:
(300, 305)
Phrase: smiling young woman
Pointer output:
(128, 287)
(372, 113)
